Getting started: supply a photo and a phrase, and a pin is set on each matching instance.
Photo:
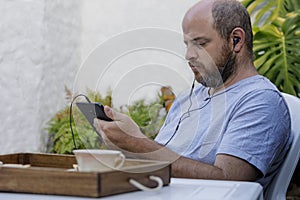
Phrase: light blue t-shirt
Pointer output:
(249, 120)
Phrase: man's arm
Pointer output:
(124, 134)
(226, 167)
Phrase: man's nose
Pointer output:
(190, 53)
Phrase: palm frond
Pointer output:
(277, 52)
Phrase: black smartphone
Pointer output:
(92, 111)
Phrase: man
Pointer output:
(235, 125)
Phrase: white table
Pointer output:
(191, 189)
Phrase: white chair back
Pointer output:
(278, 187)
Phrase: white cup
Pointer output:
(98, 160)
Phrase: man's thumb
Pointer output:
(111, 113)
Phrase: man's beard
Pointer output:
(220, 70)
(226, 65)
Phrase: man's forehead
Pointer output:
(197, 27)
(200, 13)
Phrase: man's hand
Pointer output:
(121, 133)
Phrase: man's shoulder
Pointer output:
(256, 93)
(255, 86)
(257, 82)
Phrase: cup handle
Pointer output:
(120, 161)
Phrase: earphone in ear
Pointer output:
(235, 40)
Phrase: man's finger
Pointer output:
(115, 116)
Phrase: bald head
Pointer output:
(202, 8)
(200, 11)
(224, 16)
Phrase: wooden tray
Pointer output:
(49, 174)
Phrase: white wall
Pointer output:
(39, 53)
(103, 19)
(43, 43)
(109, 32)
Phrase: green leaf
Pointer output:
(276, 47)
(265, 12)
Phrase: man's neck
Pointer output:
(241, 73)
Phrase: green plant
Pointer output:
(58, 128)
(149, 116)
(277, 41)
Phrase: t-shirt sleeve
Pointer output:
(258, 129)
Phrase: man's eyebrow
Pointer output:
(199, 38)
(196, 39)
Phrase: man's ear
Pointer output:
(237, 39)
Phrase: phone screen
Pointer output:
(92, 111)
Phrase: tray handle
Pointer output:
(145, 188)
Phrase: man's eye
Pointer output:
(201, 43)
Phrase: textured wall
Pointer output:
(39, 53)
(43, 43)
